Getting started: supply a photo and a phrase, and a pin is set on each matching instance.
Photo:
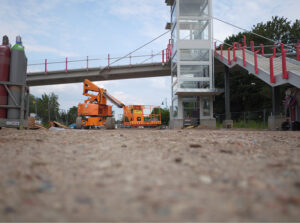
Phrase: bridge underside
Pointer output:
(95, 74)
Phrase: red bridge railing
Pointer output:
(272, 77)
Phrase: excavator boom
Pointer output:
(115, 101)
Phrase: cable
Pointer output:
(274, 41)
(152, 56)
(146, 44)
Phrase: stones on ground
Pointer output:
(118, 165)
(104, 164)
(243, 184)
(297, 184)
(275, 165)
(195, 146)
(9, 210)
(226, 151)
(205, 179)
(230, 142)
(83, 200)
(154, 175)
(124, 146)
(28, 201)
(178, 160)
(163, 211)
(11, 182)
(46, 186)
(37, 163)
(293, 200)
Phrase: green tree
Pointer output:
(63, 117)
(72, 115)
(48, 108)
(165, 116)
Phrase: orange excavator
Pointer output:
(98, 113)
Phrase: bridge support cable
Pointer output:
(248, 31)
(137, 49)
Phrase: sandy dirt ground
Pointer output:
(149, 175)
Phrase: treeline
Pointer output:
(47, 109)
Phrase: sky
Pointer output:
(76, 29)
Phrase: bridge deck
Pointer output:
(96, 74)
(293, 67)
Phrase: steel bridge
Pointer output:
(275, 69)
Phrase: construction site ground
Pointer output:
(149, 175)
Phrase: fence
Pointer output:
(66, 64)
(249, 119)
(87, 63)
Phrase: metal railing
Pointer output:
(284, 49)
(249, 119)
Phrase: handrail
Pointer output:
(284, 67)
(244, 56)
(298, 52)
(234, 55)
(222, 52)
(252, 45)
(272, 77)
(255, 61)
(229, 60)
(262, 49)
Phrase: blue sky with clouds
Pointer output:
(78, 28)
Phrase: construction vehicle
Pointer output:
(135, 116)
(99, 114)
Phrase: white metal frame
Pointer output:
(192, 44)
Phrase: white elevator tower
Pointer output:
(192, 62)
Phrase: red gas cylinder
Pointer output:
(4, 73)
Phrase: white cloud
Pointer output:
(152, 15)
(126, 98)
(245, 14)
(158, 83)
(59, 88)
(46, 49)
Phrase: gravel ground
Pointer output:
(149, 175)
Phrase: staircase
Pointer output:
(273, 74)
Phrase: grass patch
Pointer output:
(249, 125)
(246, 125)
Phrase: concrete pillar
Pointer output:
(276, 101)
(228, 123)
(207, 120)
(275, 120)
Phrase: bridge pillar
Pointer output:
(275, 120)
(276, 101)
(228, 123)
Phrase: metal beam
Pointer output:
(227, 94)
(276, 101)
(94, 74)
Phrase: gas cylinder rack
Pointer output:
(14, 94)
(20, 122)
